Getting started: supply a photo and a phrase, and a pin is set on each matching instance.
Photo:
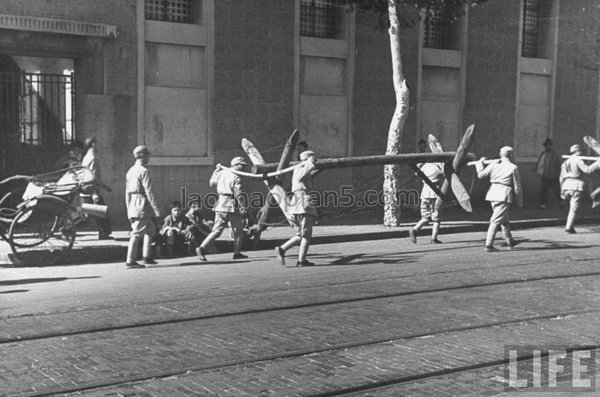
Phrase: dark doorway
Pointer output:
(36, 113)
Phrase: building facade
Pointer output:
(191, 78)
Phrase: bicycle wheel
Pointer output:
(41, 235)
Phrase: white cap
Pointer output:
(238, 160)
(139, 151)
(506, 151)
(306, 154)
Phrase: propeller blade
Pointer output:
(288, 152)
(460, 193)
(434, 144)
(463, 148)
(592, 143)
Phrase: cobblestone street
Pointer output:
(380, 318)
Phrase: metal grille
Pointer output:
(319, 18)
(434, 28)
(531, 25)
(36, 121)
(181, 11)
(46, 109)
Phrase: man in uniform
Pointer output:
(430, 202)
(505, 189)
(302, 209)
(573, 184)
(229, 208)
(142, 208)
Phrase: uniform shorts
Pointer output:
(303, 224)
(429, 210)
(500, 215)
(223, 218)
(141, 226)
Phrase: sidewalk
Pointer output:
(358, 226)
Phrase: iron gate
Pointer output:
(36, 120)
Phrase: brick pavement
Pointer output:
(370, 297)
(429, 358)
(246, 293)
(394, 298)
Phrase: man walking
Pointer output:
(430, 202)
(302, 209)
(142, 208)
(229, 208)
(572, 183)
(548, 168)
(505, 189)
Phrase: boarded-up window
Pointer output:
(322, 76)
(171, 65)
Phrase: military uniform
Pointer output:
(430, 202)
(142, 207)
(505, 189)
(302, 208)
(573, 184)
(228, 209)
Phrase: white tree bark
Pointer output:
(391, 182)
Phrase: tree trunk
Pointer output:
(391, 173)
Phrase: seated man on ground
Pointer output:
(176, 232)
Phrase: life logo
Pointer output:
(550, 368)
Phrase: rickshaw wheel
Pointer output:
(41, 235)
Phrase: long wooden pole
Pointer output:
(363, 161)
(485, 162)
(590, 158)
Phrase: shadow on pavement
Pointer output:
(552, 245)
(41, 280)
(364, 259)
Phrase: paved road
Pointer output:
(380, 318)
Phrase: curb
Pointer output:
(477, 226)
(117, 252)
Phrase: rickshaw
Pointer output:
(39, 214)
